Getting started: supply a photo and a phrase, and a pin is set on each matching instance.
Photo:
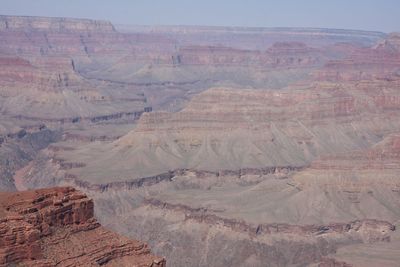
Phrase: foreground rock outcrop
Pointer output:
(56, 227)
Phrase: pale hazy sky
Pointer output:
(381, 15)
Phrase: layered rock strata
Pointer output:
(56, 227)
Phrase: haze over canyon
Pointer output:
(214, 146)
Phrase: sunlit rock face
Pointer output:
(56, 226)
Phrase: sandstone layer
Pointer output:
(56, 227)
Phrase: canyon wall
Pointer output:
(218, 146)
(56, 226)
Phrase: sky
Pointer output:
(377, 15)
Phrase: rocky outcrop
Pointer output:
(126, 116)
(56, 227)
(129, 184)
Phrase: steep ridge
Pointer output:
(56, 227)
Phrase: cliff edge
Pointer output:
(56, 227)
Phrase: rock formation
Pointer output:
(56, 227)
(277, 147)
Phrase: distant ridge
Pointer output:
(53, 23)
(305, 30)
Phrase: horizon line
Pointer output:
(202, 25)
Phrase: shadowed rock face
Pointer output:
(18, 149)
(56, 227)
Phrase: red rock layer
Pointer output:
(50, 227)
(77, 38)
(381, 62)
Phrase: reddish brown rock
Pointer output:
(380, 62)
(50, 227)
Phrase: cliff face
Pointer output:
(279, 55)
(31, 87)
(42, 62)
(76, 38)
(58, 24)
(56, 226)
(380, 62)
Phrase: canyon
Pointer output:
(217, 146)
